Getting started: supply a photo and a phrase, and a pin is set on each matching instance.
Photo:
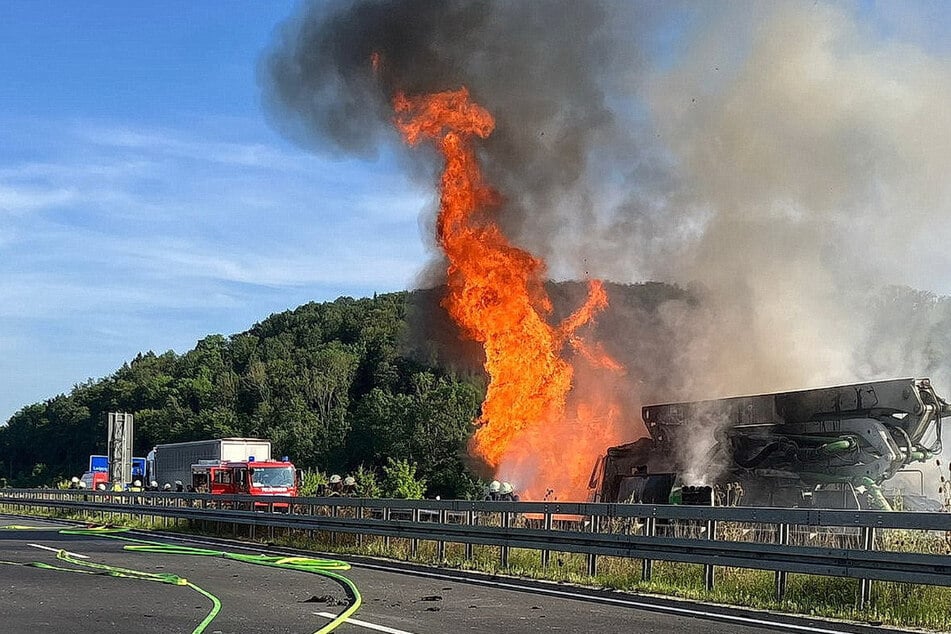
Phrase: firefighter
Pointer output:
(81, 484)
(493, 493)
(167, 487)
(136, 486)
(350, 486)
(101, 486)
(153, 486)
(179, 487)
(336, 486)
(74, 483)
(507, 493)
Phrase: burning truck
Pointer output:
(832, 447)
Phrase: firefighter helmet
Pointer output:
(74, 480)
(506, 488)
(334, 479)
(349, 481)
(495, 486)
(137, 483)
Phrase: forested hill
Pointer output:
(353, 382)
(334, 385)
(327, 383)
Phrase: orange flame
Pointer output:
(496, 294)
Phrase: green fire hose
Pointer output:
(325, 567)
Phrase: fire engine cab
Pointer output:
(246, 477)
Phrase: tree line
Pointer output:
(330, 384)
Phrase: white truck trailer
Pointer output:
(173, 462)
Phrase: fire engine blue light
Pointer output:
(284, 459)
(250, 458)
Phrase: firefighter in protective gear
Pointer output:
(336, 485)
(179, 487)
(81, 484)
(493, 493)
(507, 493)
(74, 483)
(136, 486)
(350, 486)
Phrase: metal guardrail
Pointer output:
(711, 536)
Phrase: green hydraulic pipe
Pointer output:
(838, 446)
(875, 494)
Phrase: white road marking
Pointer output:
(369, 626)
(56, 550)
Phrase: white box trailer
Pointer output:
(170, 462)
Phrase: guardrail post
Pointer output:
(359, 511)
(592, 558)
(386, 518)
(270, 529)
(504, 550)
(708, 570)
(334, 512)
(441, 545)
(647, 565)
(781, 575)
(865, 585)
(546, 554)
(311, 509)
(414, 543)
(470, 521)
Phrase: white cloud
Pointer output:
(21, 199)
(120, 239)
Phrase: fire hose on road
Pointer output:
(325, 567)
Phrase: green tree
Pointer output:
(400, 480)
(367, 485)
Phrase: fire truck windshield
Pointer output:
(272, 477)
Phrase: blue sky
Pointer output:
(145, 202)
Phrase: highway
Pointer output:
(396, 599)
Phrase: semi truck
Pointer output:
(172, 462)
(831, 447)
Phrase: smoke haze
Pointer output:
(785, 162)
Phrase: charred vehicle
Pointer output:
(830, 447)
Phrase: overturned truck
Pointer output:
(830, 447)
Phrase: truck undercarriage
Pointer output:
(826, 447)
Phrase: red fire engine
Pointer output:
(247, 477)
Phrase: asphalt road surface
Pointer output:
(396, 599)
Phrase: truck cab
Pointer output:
(92, 479)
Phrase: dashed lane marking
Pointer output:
(369, 626)
(56, 550)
